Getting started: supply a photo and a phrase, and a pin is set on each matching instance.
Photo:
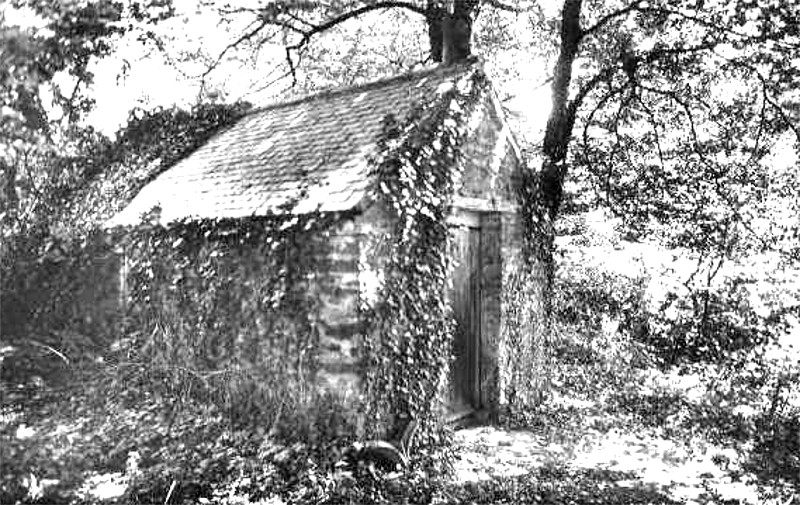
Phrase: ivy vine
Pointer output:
(409, 345)
(225, 310)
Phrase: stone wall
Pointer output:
(490, 158)
(358, 253)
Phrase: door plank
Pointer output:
(466, 302)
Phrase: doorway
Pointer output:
(465, 297)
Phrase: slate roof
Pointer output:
(313, 151)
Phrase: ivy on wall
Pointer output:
(226, 310)
(409, 342)
(527, 303)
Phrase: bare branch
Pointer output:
(600, 104)
(589, 121)
(237, 10)
(290, 62)
(658, 53)
(245, 37)
(353, 14)
(265, 20)
(299, 19)
(307, 34)
(621, 144)
(543, 83)
(762, 120)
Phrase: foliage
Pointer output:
(50, 48)
(707, 326)
(664, 143)
(634, 343)
(209, 459)
(409, 357)
(646, 103)
(59, 271)
(679, 110)
(551, 485)
(226, 311)
(66, 39)
(148, 450)
(525, 331)
(588, 297)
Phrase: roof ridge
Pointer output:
(470, 64)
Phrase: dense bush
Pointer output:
(776, 451)
(705, 326)
(52, 252)
(596, 316)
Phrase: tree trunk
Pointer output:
(434, 16)
(562, 116)
(450, 33)
(540, 198)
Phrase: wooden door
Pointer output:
(466, 301)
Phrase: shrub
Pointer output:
(705, 326)
(776, 451)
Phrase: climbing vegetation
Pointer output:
(409, 343)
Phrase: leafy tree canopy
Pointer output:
(681, 115)
(45, 76)
(680, 111)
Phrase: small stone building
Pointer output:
(316, 154)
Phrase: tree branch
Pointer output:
(777, 107)
(673, 96)
(767, 97)
(245, 37)
(613, 92)
(353, 14)
(715, 26)
(600, 104)
(584, 90)
(305, 34)
(656, 135)
(609, 17)
(498, 4)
